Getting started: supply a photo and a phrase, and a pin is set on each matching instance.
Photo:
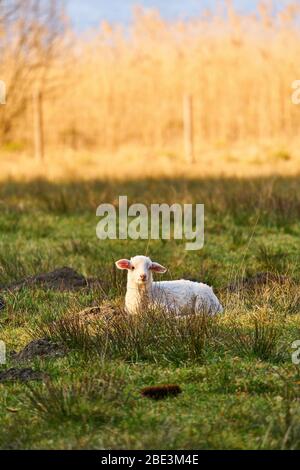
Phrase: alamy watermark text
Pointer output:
(137, 222)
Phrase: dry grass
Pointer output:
(134, 162)
(131, 90)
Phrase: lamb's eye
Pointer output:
(132, 268)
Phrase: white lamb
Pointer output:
(178, 297)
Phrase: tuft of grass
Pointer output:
(59, 401)
(272, 260)
(153, 336)
(70, 331)
(259, 340)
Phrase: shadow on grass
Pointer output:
(275, 199)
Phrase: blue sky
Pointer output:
(87, 13)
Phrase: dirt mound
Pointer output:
(106, 310)
(21, 375)
(257, 281)
(39, 348)
(62, 279)
(160, 392)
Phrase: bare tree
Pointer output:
(29, 42)
(7, 10)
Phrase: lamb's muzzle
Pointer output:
(179, 297)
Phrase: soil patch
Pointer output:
(21, 375)
(62, 279)
(39, 348)
(106, 310)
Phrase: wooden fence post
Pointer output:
(2, 92)
(38, 125)
(188, 128)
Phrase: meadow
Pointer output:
(239, 386)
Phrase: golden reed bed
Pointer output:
(112, 99)
(135, 163)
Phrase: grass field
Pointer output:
(239, 387)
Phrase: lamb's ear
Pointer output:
(158, 268)
(123, 264)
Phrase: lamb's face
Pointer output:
(140, 272)
(140, 269)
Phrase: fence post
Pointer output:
(188, 128)
(2, 353)
(38, 125)
(2, 92)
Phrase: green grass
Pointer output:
(240, 388)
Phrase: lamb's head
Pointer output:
(140, 269)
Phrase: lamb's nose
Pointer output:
(143, 277)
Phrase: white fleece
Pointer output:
(178, 297)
